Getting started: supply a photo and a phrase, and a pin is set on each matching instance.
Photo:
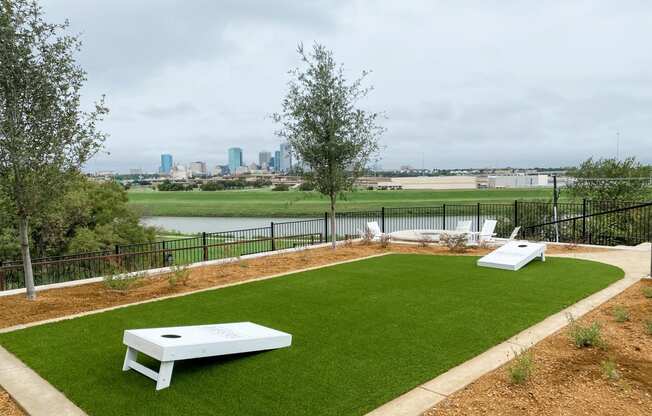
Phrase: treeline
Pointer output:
(87, 216)
(216, 185)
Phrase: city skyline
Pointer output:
(480, 85)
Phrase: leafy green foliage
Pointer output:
(281, 187)
(179, 275)
(585, 336)
(611, 179)
(648, 326)
(168, 185)
(647, 292)
(521, 368)
(620, 314)
(324, 126)
(610, 369)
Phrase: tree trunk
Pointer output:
(333, 222)
(23, 227)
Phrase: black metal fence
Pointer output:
(604, 223)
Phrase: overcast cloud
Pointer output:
(463, 83)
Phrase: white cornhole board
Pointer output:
(185, 342)
(513, 255)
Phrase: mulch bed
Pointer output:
(7, 406)
(570, 381)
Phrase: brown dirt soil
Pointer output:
(570, 381)
(7, 406)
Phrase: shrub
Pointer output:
(647, 292)
(306, 186)
(348, 241)
(585, 336)
(456, 243)
(117, 281)
(609, 369)
(281, 187)
(521, 368)
(179, 275)
(384, 240)
(620, 313)
(367, 237)
(648, 326)
(424, 240)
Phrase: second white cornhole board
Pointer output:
(168, 345)
(513, 255)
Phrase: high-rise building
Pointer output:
(285, 164)
(277, 161)
(263, 159)
(198, 169)
(235, 159)
(166, 164)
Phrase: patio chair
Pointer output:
(463, 226)
(374, 229)
(487, 233)
(514, 233)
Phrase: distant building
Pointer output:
(179, 172)
(285, 164)
(435, 182)
(277, 161)
(263, 159)
(166, 164)
(220, 170)
(198, 169)
(517, 181)
(136, 171)
(235, 159)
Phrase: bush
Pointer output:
(648, 326)
(384, 240)
(521, 368)
(456, 243)
(281, 187)
(647, 292)
(609, 369)
(117, 281)
(585, 336)
(367, 237)
(306, 186)
(179, 275)
(212, 186)
(424, 240)
(620, 313)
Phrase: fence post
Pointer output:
(163, 248)
(443, 222)
(326, 227)
(382, 219)
(584, 220)
(117, 249)
(2, 277)
(515, 213)
(478, 218)
(271, 227)
(205, 245)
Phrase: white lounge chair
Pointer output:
(463, 226)
(514, 233)
(487, 233)
(374, 230)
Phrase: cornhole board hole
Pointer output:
(168, 345)
(513, 255)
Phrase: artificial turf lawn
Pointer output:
(363, 333)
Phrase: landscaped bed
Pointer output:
(364, 332)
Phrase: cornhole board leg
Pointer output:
(162, 378)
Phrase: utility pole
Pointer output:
(554, 206)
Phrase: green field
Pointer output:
(363, 333)
(266, 203)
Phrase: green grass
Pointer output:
(262, 203)
(363, 333)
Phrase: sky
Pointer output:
(465, 83)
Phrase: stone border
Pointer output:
(430, 393)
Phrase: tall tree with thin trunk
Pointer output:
(331, 136)
(45, 136)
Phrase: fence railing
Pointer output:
(591, 222)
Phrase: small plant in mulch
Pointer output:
(521, 368)
(367, 237)
(179, 274)
(610, 369)
(620, 314)
(348, 241)
(456, 243)
(585, 336)
(119, 283)
(647, 292)
(648, 326)
(384, 240)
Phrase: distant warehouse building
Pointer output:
(517, 181)
(436, 182)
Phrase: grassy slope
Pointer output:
(363, 333)
(296, 203)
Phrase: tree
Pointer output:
(325, 129)
(45, 136)
(611, 180)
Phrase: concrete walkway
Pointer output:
(635, 263)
